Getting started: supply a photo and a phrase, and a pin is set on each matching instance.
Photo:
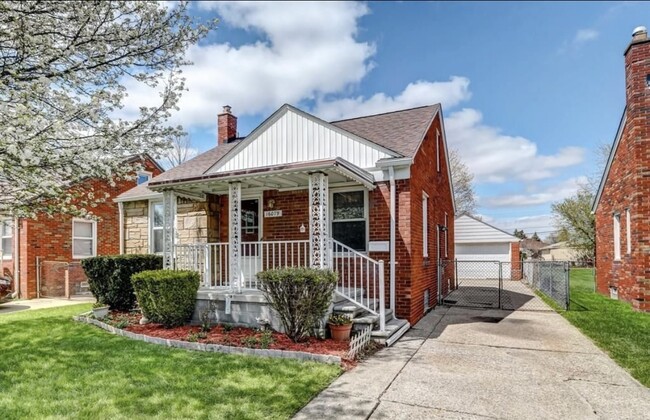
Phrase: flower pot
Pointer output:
(100, 313)
(340, 332)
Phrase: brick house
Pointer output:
(369, 197)
(622, 203)
(57, 241)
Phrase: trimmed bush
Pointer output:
(109, 277)
(165, 296)
(300, 296)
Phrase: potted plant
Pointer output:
(100, 310)
(340, 327)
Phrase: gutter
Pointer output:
(120, 206)
(391, 175)
(16, 256)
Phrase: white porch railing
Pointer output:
(361, 279)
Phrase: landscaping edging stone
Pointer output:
(218, 348)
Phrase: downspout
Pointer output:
(120, 207)
(16, 256)
(391, 175)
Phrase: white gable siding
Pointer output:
(469, 230)
(295, 138)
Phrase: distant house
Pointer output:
(560, 251)
(621, 205)
(476, 240)
(368, 197)
(530, 248)
(35, 251)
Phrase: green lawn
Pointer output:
(51, 366)
(623, 333)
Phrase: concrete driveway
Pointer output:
(42, 303)
(473, 364)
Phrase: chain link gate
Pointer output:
(503, 285)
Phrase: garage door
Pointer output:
(482, 252)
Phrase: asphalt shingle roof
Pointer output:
(400, 131)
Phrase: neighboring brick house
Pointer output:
(308, 192)
(65, 239)
(622, 203)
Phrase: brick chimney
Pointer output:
(227, 126)
(637, 79)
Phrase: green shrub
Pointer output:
(109, 277)
(165, 296)
(299, 295)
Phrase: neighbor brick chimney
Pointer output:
(227, 126)
(637, 79)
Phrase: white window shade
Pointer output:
(84, 238)
(617, 237)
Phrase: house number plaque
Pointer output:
(273, 213)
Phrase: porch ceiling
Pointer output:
(280, 177)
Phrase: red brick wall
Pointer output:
(426, 178)
(628, 187)
(515, 261)
(50, 238)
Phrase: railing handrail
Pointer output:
(294, 241)
(353, 251)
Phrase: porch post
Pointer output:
(169, 211)
(234, 234)
(319, 220)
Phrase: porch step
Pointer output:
(394, 330)
(369, 318)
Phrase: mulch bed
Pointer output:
(229, 336)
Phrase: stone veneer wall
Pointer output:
(196, 222)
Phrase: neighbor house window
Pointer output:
(7, 230)
(617, 236)
(628, 231)
(425, 225)
(350, 218)
(156, 223)
(84, 238)
(143, 177)
(438, 150)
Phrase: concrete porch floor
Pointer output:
(473, 364)
(42, 303)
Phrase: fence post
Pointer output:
(568, 285)
(382, 298)
(38, 277)
(456, 273)
(67, 280)
(500, 283)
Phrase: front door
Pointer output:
(250, 235)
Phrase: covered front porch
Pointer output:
(307, 214)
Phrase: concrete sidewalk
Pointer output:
(473, 364)
(42, 303)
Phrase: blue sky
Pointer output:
(528, 89)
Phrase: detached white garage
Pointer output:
(486, 246)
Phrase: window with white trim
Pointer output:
(143, 176)
(628, 231)
(425, 225)
(7, 232)
(84, 238)
(156, 224)
(350, 218)
(438, 150)
(617, 237)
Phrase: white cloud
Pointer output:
(419, 93)
(306, 50)
(584, 35)
(580, 38)
(496, 157)
(556, 192)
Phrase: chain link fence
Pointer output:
(60, 279)
(504, 285)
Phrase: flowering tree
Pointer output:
(64, 72)
(463, 181)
